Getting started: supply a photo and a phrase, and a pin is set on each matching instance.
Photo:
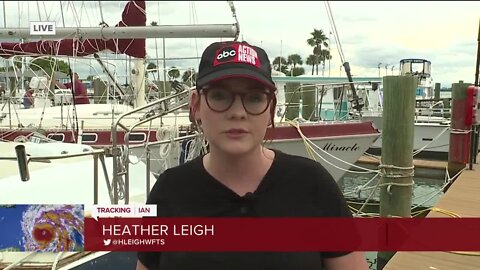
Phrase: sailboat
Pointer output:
(99, 125)
(92, 124)
(432, 121)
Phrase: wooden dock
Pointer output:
(462, 198)
(418, 163)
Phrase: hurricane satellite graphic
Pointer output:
(43, 228)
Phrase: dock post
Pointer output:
(459, 146)
(292, 98)
(437, 91)
(397, 151)
(447, 108)
(308, 101)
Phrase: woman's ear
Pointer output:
(194, 106)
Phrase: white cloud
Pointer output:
(370, 32)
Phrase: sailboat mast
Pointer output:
(22, 59)
(4, 15)
(138, 82)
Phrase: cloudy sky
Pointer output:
(370, 33)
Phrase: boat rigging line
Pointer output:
(358, 102)
(234, 14)
(478, 57)
(102, 23)
(475, 128)
(75, 116)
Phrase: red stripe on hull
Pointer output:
(321, 130)
(103, 136)
(284, 132)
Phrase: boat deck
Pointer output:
(461, 198)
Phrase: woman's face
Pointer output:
(240, 128)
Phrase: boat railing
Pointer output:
(326, 101)
(155, 109)
(113, 187)
(436, 108)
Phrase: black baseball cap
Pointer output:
(230, 59)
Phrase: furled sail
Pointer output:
(133, 15)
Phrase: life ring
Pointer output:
(21, 138)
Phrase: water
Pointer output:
(111, 261)
(445, 94)
(426, 193)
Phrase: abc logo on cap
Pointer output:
(226, 54)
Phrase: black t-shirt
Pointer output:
(293, 187)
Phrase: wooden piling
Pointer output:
(292, 98)
(447, 107)
(397, 150)
(437, 91)
(459, 147)
(308, 101)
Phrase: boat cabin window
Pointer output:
(89, 137)
(57, 137)
(137, 137)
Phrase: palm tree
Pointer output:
(280, 64)
(297, 71)
(316, 41)
(311, 60)
(189, 76)
(324, 55)
(295, 59)
(173, 73)
(151, 67)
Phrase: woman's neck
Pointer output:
(240, 173)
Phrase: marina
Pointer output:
(396, 145)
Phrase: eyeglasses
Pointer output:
(254, 102)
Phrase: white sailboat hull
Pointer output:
(429, 138)
(338, 152)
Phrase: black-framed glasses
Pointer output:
(255, 102)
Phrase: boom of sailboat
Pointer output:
(160, 31)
